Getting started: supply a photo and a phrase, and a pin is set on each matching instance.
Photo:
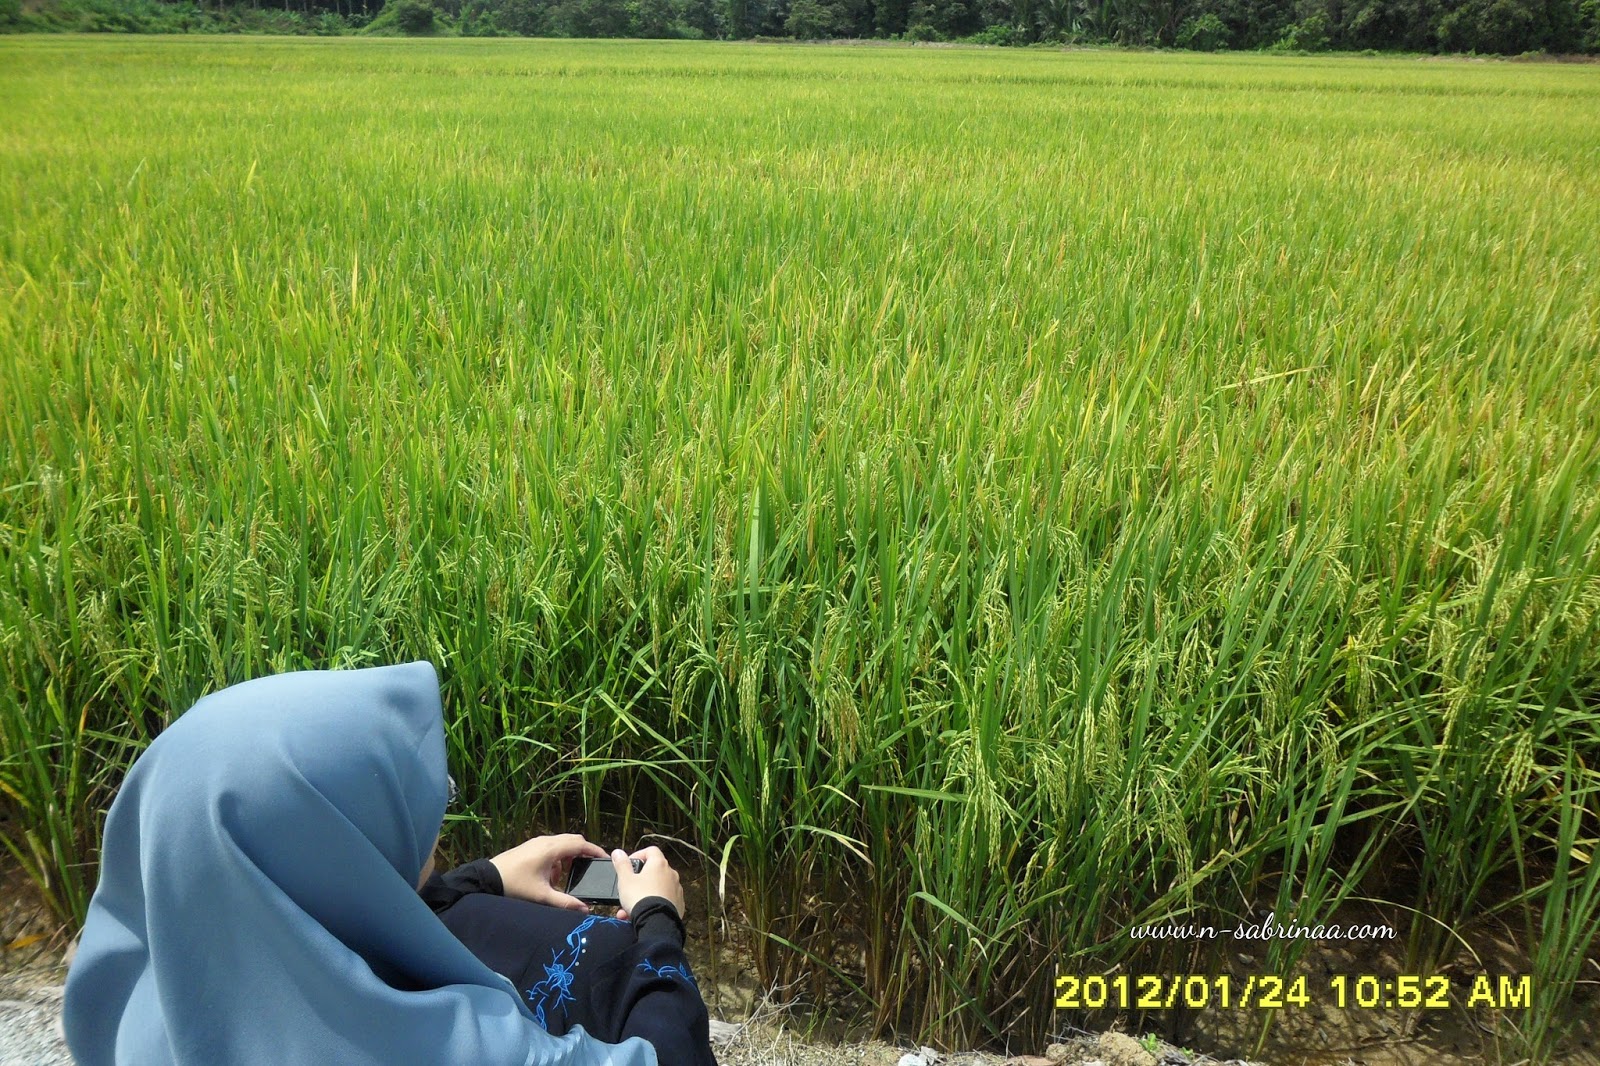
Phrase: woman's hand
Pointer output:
(655, 878)
(536, 870)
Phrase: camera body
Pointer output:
(595, 881)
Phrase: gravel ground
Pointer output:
(30, 1013)
(761, 1046)
(30, 1035)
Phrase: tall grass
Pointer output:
(981, 500)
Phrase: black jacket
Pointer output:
(615, 979)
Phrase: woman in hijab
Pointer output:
(258, 904)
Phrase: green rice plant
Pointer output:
(1569, 914)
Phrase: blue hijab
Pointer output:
(258, 903)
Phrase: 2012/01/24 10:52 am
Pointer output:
(1268, 991)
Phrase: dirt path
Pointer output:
(30, 1035)
(32, 973)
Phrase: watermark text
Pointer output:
(1268, 928)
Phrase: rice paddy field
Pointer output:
(983, 500)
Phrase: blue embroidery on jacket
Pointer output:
(559, 973)
(669, 970)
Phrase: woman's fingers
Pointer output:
(551, 896)
(655, 878)
(540, 865)
(573, 846)
(566, 902)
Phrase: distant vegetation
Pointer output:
(983, 499)
(1506, 27)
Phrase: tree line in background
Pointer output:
(1505, 27)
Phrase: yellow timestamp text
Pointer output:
(1269, 992)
